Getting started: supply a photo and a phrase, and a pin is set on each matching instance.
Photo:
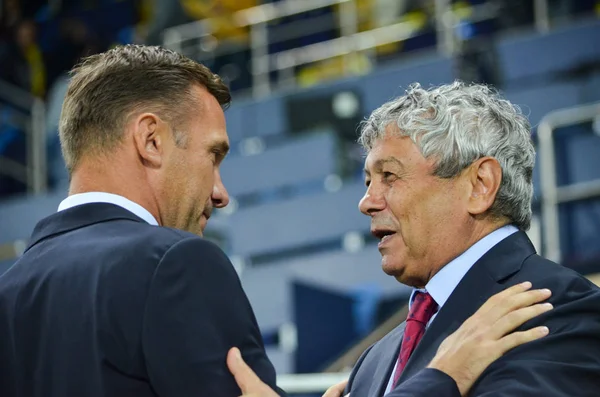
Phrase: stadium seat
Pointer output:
(269, 287)
(295, 223)
(23, 212)
(255, 118)
(299, 161)
(535, 55)
(539, 101)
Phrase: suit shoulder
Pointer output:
(207, 257)
(188, 242)
(565, 284)
(148, 245)
(160, 239)
(545, 269)
(166, 234)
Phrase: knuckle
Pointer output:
(479, 338)
(513, 302)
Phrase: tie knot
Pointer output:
(423, 307)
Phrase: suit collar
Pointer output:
(108, 198)
(78, 217)
(442, 284)
(506, 258)
(480, 282)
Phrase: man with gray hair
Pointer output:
(449, 189)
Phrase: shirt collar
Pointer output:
(102, 197)
(441, 286)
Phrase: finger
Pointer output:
(336, 390)
(500, 298)
(246, 379)
(523, 299)
(515, 339)
(507, 293)
(516, 302)
(515, 319)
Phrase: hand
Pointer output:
(336, 390)
(247, 380)
(252, 386)
(485, 336)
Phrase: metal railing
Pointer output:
(310, 383)
(29, 114)
(350, 41)
(552, 194)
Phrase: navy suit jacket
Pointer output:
(103, 304)
(565, 363)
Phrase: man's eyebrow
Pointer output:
(388, 160)
(378, 165)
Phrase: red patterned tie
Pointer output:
(421, 310)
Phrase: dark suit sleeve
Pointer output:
(425, 383)
(563, 364)
(196, 311)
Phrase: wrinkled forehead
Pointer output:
(383, 151)
(393, 149)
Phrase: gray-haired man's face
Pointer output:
(416, 215)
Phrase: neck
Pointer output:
(479, 230)
(484, 229)
(123, 180)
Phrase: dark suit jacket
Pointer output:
(564, 363)
(104, 304)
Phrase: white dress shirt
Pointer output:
(441, 286)
(102, 197)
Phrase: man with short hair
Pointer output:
(449, 190)
(104, 302)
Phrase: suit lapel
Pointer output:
(480, 282)
(463, 302)
(386, 360)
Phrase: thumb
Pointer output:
(246, 379)
(336, 390)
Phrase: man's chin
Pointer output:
(398, 271)
(202, 222)
(390, 268)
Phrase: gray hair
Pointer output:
(456, 124)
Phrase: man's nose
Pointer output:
(372, 202)
(220, 197)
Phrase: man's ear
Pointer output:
(485, 177)
(150, 138)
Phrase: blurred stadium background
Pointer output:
(304, 73)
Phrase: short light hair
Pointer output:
(106, 88)
(457, 124)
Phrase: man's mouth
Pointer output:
(382, 234)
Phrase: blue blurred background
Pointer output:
(304, 73)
